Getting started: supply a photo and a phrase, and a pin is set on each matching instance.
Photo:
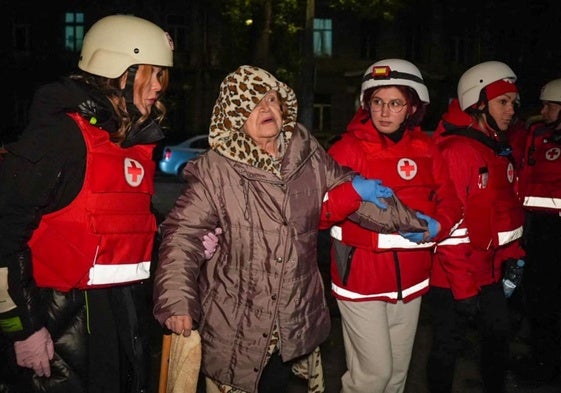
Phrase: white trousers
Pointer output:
(378, 338)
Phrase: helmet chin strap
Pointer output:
(128, 91)
(490, 120)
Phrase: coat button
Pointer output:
(274, 297)
(279, 259)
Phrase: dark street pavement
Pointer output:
(467, 376)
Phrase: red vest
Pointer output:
(104, 237)
(540, 175)
(405, 168)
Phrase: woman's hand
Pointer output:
(35, 352)
(210, 241)
(180, 324)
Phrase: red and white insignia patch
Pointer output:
(552, 154)
(510, 172)
(134, 172)
(407, 168)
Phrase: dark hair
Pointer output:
(414, 119)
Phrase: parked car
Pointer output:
(175, 157)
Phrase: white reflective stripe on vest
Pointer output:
(392, 295)
(549, 203)
(385, 241)
(510, 236)
(389, 241)
(122, 273)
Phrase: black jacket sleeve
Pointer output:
(22, 321)
(42, 172)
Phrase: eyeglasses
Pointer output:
(395, 106)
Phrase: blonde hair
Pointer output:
(111, 89)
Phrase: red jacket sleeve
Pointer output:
(448, 206)
(338, 203)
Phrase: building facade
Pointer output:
(442, 38)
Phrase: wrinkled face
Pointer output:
(502, 109)
(388, 109)
(265, 121)
(550, 111)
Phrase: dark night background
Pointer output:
(212, 37)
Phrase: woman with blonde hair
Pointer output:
(76, 225)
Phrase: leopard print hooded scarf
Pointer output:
(240, 92)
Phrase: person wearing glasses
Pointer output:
(378, 279)
(466, 278)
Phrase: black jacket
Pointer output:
(93, 331)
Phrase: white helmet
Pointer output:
(116, 42)
(394, 72)
(478, 77)
(551, 91)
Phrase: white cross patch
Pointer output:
(510, 172)
(407, 168)
(134, 172)
(552, 154)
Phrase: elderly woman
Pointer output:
(258, 302)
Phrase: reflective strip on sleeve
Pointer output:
(549, 203)
(10, 325)
(510, 236)
(458, 236)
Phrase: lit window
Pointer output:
(323, 37)
(73, 31)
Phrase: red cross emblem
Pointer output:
(134, 172)
(552, 154)
(510, 172)
(406, 168)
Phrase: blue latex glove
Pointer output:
(415, 237)
(419, 237)
(432, 224)
(371, 189)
